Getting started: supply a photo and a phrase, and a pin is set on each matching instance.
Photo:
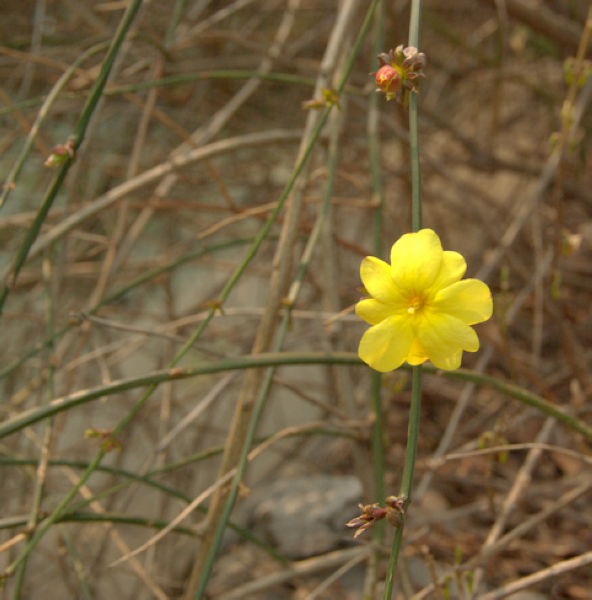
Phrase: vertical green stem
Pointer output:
(416, 217)
(413, 434)
(378, 446)
(45, 446)
(415, 23)
(268, 380)
(378, 198)
(407, 483)
(264, 391)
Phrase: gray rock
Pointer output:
(529, 595)
(305, 516)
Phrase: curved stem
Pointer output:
(284, 358)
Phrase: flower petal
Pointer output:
(416, 260)
(416, 354)
(376, 277)
(468, 300)
(385, 346)
(374, 311)
(449, 363)
(443, 337)
(452, 269)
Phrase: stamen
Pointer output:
(414, 305)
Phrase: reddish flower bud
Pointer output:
(388, 79)
(398, 74)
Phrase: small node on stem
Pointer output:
(110, 442)
(214, 305)
(61, 153)
(177, 372)
(329, 98)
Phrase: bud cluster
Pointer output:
(399, 71)
(371, 513)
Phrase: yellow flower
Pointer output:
(420, 309)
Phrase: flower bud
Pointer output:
(388, 80)
(399, 71)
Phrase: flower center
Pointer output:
(414, 305)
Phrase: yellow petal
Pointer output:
(452, 269)
(442, 337)
(376, 277)
(449, 363)
(373, 311)
(468, 300)
(416, 354)
(385, 346)
(416, 260)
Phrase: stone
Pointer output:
(305, 516)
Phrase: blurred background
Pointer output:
(184, 159)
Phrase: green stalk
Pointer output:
(129, 475)
(210, 75)
(148, 276)
(12, 178)
(182, 79)
(377, 436)
(283, 359)
(77, 138)
(268, 380)
(47, 435)
(176, 17)
(85, 591)
(218, 303)
(416, 223)
(378, 198)
(51, 519)
(407, 483)
(416, 212)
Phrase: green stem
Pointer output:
(284, 358)
(150, 275)
(416, 224)
(85, 591)
(176, 17)
(412, 437)
(50, 196)
(282, 332)
(53, 517)
(11, 179)
(377, 440)
(182, 79)
(378, 433)
(77, 139)
(416, 213)
(407, 482)
(221, 298)
(45, 445)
